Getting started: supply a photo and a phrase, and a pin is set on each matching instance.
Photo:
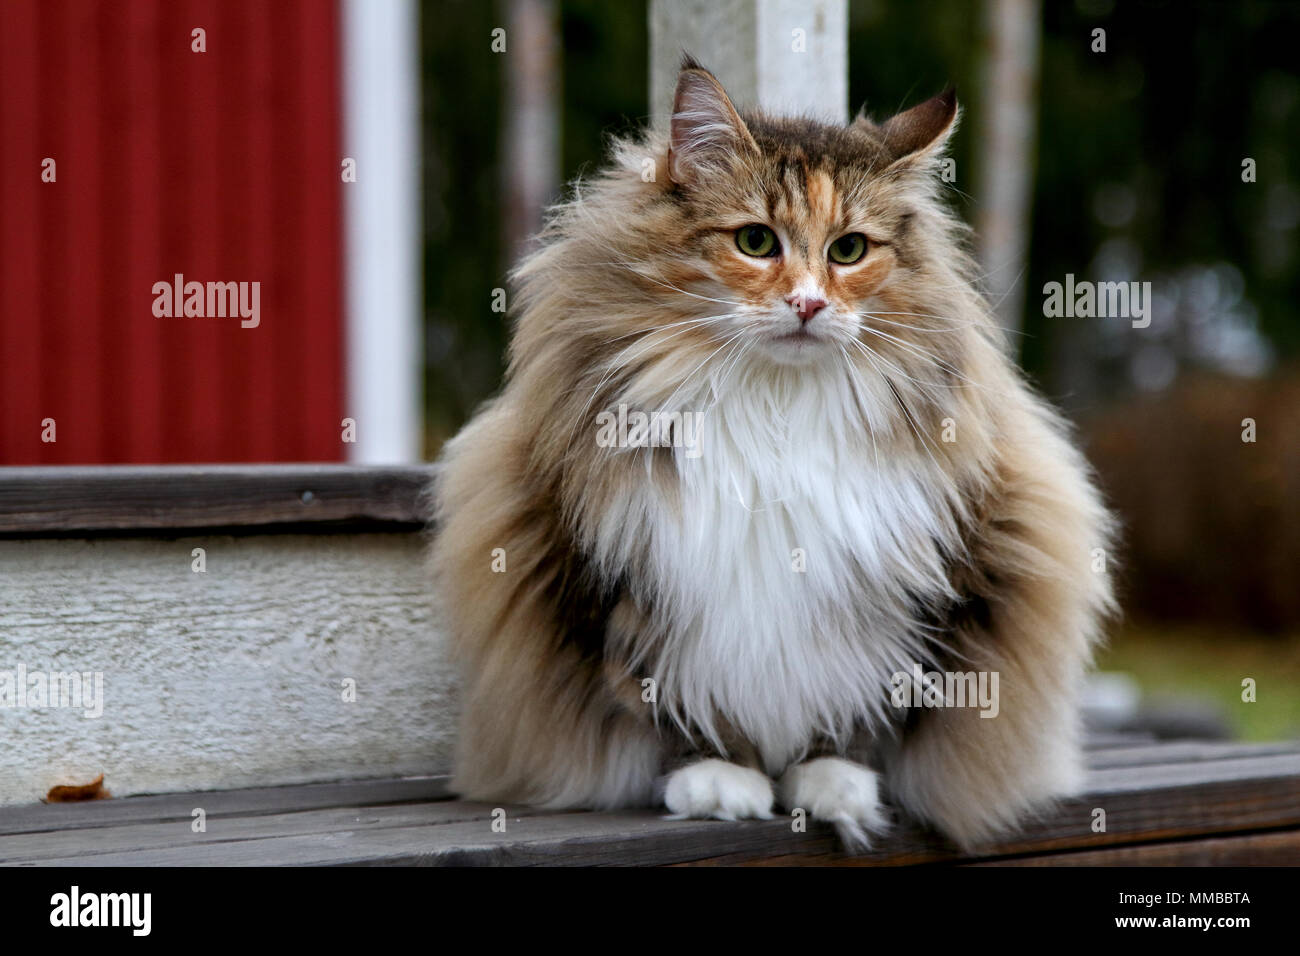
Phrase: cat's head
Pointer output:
(802, 224)
(730, 242)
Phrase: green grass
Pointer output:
(1183, 662)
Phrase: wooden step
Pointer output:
(1237, 805)
(233, 677)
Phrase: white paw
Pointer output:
(718, 789)
(840, 792)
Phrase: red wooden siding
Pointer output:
(222, 166)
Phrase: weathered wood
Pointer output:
(1259, 849)
(250, 802)
(179, 833)
(238, 498)
(1103, 741)
(1147, 754)
(1156, 812)
(233, 677)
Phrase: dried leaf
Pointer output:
(90, 791)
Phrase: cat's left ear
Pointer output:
(920, 132)
(706, 132)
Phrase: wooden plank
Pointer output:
(1143, 804)
(239, 498)
(566, 839)
(1107, 780)
(1105, 741)
(1257, 849)
(179, 833)
(1182, 752)
(253, 801)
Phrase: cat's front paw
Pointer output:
(718, 789)
(840, 792)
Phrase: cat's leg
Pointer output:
(974, 778)
(1031, 616)
(546, 718)
(547, 729)
(838, 788)
(722, 784)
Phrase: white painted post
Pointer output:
(783, 56)
(382, 237)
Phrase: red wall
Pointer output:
(223, 166)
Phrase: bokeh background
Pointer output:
(225, 165)
(1135, 172)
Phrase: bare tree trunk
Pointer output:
(1006, 144)
(531, 140)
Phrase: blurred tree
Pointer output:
(461, 103)
(467, 192)
(532, 124)
(1006, 136)
(1140, 177)
(1138, 163)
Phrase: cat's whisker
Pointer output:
(668, 405)
(921, 315)
(726, 374)
(923, 355)
(929, 357)
(870, 352)
(703, 320)
(619, 366)
(630, 267)
(855, 381)
(694, 295)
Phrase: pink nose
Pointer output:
(805, 307)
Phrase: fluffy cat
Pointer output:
(868, 487)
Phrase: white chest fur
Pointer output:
(789, 569)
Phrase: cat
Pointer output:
(724, 625)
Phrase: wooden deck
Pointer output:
(1165, 804)
(97, 565)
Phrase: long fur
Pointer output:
(659, 609)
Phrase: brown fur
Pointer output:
(556, 649)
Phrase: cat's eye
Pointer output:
(757, 241)
(847, 250)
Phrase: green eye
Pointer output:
(757, 241)
(847, 250)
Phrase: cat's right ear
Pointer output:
(706, 131)
(923, 130)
